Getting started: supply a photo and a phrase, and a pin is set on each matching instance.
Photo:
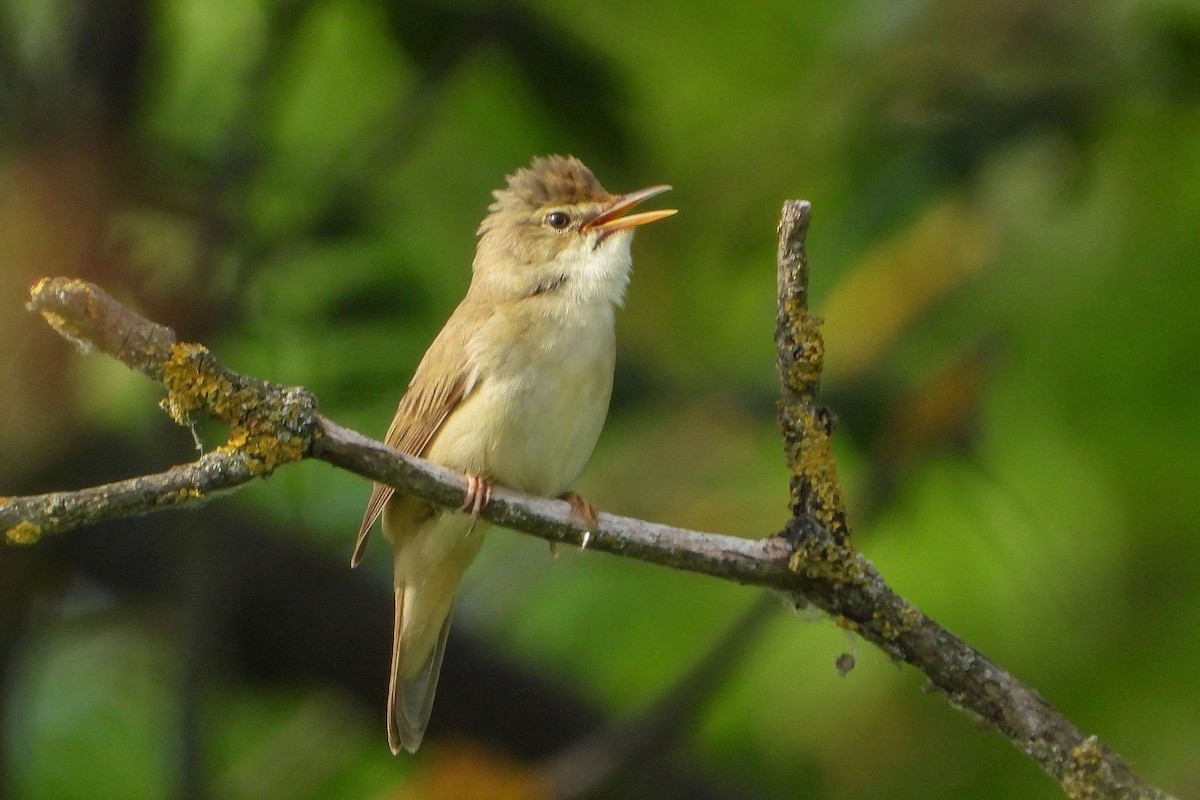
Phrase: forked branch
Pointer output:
(812, 561)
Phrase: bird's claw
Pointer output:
(587, 515)
(479, 494)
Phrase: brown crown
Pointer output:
(547, 180)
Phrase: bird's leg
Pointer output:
(479, 492)
(585, 513)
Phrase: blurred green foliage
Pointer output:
(1006, 205)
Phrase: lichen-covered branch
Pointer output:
(811, 561)
(841, 582)
(268, 424)
(24, 520)
(805, 425)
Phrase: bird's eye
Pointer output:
(558, 220)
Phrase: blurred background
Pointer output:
(1004, 246)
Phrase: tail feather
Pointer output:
(410, 699)
(431, 553)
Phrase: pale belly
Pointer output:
(533, 420)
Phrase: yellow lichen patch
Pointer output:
(816, 490)
(55, 320)
(23, 533)
(264, 451)
(885, 626)
(814, 453)
(1087, 759)
(891, 629)
(827, 561)
(807, 357)
(189, 386)
(910, 617)
(65, 286)
(263, 422)
(267, 452)
(810, 456)
(63, 327)
(194, 383)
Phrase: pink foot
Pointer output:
(479, 492)
(585, 513)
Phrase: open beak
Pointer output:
(610, 220)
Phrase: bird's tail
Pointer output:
(412, 684)
(430, 556)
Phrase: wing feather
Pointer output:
(441, 382)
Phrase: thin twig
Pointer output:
(805, 425)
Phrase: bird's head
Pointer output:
(555, 230)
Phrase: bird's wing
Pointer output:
(442, 381)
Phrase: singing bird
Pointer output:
(513, 392)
